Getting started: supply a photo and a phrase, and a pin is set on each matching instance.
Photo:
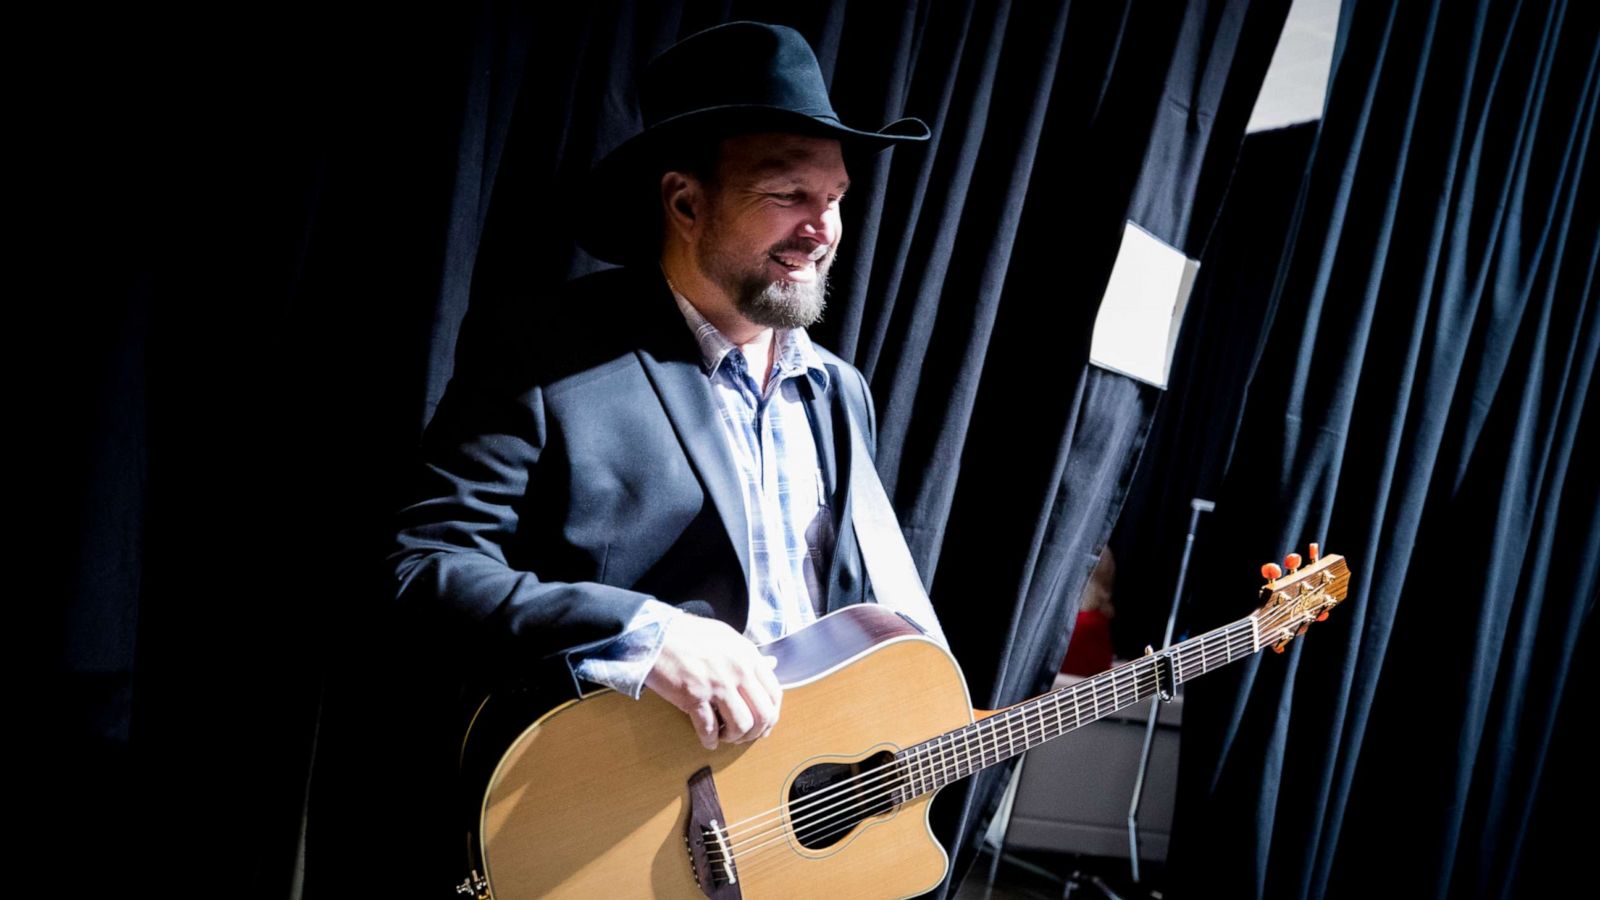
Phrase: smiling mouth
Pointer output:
(804, 264)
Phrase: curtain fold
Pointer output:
(307, 205)
(1424, 362)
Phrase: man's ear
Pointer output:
(681, 203)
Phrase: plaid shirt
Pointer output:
(790, 526)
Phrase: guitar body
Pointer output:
(612, 798)
(593, 799)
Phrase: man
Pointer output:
(634, 483)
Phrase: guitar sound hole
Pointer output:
(827, 800)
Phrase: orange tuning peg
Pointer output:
(1322, 617)
(1314, 551)
(1271, 572)
(1277, 648)
(1291, 561)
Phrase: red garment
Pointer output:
(1089, 653)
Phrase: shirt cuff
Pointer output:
(624, 662)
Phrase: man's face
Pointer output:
(773, 226)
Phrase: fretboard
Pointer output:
(956, 754)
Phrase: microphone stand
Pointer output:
(1197, 506)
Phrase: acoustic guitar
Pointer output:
(609, 797)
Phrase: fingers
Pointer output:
(703, 717)
(748, 702)
(719, 679)
(763, 710)
(738, 720)
(769, 679)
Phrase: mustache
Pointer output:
(814, 254)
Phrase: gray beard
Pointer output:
(768, 302)
(780, 304)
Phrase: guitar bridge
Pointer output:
(710, 850)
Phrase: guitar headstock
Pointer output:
(1296, 595)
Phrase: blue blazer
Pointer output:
(575, 466)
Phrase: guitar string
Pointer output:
(1011, 718)
(946, 761)
(1113, 680)
(748, 858)
(759, 857)
(897, 776)
(746, 854)
(954, 751)
(894, 784)
(842, 817)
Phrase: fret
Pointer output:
(942, 759)
(967, 736)
(949, 759)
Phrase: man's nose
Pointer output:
(821, 224)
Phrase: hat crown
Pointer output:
(744, 76)
(733, 65)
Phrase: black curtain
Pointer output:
(296, 209)
(1407, 387)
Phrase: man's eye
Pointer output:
(790, 197)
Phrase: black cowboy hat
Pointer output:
(736, 77)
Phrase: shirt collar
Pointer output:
(794, 353)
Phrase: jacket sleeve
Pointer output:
(624, 663)
(479, 455)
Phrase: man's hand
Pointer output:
(717, 676)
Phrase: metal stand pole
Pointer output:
(1197, 506)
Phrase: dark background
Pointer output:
(256, 235)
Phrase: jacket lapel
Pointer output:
(671, 361)
(846, 579)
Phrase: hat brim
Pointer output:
(618, 219)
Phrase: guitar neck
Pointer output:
(956, 754)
